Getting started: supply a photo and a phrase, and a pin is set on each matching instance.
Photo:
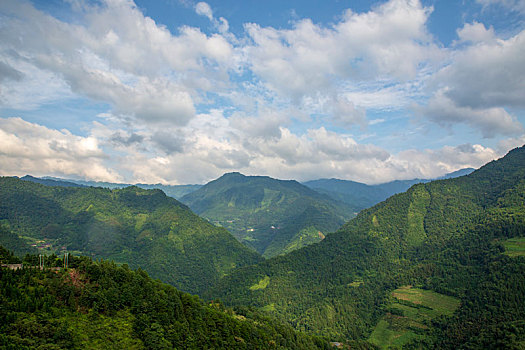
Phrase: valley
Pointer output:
(408, 272)
(262, 175)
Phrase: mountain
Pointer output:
(143, 228)
(174, 191)
(51, 182)
(457, 173)
(272, 216)
(360, 196)
(99, 305)
(438, 266)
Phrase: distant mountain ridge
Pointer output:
(51, 182)
(174, 191)
(272, 216)
(361, 196)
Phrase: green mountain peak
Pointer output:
(272, 216)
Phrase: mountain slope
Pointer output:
(443, 236)
(361, 196)
(98, 305)
(143, 228)
(272, 216)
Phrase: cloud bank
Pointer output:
(303, 102)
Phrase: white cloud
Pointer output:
(267, 125)
(114, 54)
(390, 41)
(476, 32)
(486, 74)
(346, 114)
(434, 163)
(185, 106)
(490, 121)
(34, 149)
(203, 9)
(27, 148)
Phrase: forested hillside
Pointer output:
(98, 305)
(272, 216)
(143, 228)
(446, 236)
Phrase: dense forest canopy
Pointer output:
(446, 236)
(101, 305)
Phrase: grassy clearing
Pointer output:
(261, 284)
(355, 284)
(409, 316)
(515, 246)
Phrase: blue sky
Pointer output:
(180, 91)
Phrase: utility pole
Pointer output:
(66, 256)
(41, 261)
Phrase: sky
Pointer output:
(181, 91)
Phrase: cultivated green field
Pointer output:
(409, 316)
(515, 246)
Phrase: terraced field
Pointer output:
(515, 246)
(409, 316)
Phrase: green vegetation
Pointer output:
(515, 246)
(143, 228)
(13, 241)
(409, 315)
(443, 236)
(99, 305)
(306, 236)
(263, 283)
(272, 216)
(446, 237)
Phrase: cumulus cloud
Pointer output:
(126, 140)
(487, 74)
(389, 41)
(483, 81)
(346, 114)
(204, 9)
(132, 63)
(27, 148)
(475, 33)
(169, 142)
(490, 121)
(433, 163)
(31, 148)
(266, 125)
(182, 106)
